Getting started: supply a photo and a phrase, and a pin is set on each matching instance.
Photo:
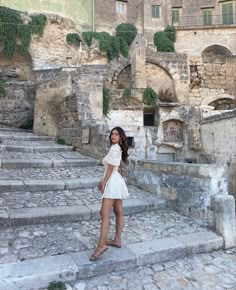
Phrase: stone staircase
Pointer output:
(49, 218)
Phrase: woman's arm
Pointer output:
(107, 176)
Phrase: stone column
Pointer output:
(138, 60)
(224, 210)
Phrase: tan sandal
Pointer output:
(96, 254)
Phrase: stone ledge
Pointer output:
(46, 184)
(40, 272)
(219, 117)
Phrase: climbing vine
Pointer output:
(73, 39)
(14, 24)
(113, 46)
(164, 40)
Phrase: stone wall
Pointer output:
(52, 98)
(194, 40)
(78, 10)
(218, 134)
(187, 187)
(17, 107)
(68, 100)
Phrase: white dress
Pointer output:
(115, 187)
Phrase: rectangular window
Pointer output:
(148, 119)
(207, 17)
(121, 7)
(155, 11)
(227, 13)
(175, 15)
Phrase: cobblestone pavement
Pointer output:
(212, 271)
(83, 197)
(52, 173)
(27, 242)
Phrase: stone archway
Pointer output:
(216, 51)
(161, 81)
(124, 78)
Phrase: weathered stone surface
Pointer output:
(224, 208)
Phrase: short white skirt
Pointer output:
(115, 187)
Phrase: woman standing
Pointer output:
(114, 190)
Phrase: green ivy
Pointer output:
(73, 39)
(38, 23)
(25, 34)
(163, 43)
(106, 101)
(170, 32)
(88, 37)
(113, 45)
(114, 49)
(127, 32)
(12, 27)
(150, 97)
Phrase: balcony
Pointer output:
(203, 21)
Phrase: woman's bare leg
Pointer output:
(107, 204)
(118, 210)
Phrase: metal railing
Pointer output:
(201, 20)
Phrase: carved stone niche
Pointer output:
(173, 131)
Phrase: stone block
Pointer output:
(157, 251)
(224, 209)
(202, 242)
(37, 273)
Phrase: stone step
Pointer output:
(19, 163)
(45, 215)
(18, 208)
(18, 130)
(37, 149)
(34, 274)
(24, 137)
(33, 185)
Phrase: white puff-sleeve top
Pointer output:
(115, 187)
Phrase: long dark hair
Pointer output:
(123, 142)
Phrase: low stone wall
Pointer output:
(188, 187)
(218, 135)
(195, 190)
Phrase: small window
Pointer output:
(155, 11)
(227, 13)
(207, 16)
(121, 7)
(175, 15)
(130, 141)
(148, 118)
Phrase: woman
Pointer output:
(113, 189)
